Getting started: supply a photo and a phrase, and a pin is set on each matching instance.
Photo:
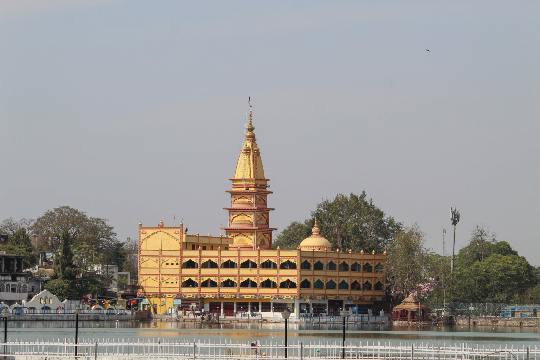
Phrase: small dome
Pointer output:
(316, 241)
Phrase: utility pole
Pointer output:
(454, 219)
(443, 244)
(444, 280)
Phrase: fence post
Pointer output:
(412, 351)
(194, 350)
(528, 352)
(95, 352)
(302, 351)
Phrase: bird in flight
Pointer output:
(427, 50)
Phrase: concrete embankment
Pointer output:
(494, 321)
(71, 317)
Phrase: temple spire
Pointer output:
(249, 164)
(249, 214)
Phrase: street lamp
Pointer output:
(76, 330)
(286, 314)
(5, 313)
(344, 314)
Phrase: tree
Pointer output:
(438, 268)
(19, 243)
(406, 262)
(91, 237)
(64, 281)
(348, 222)
(293, 234)
(498, 278)
(488, 270)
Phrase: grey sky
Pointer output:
(134, 110)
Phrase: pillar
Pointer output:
(221, 309)
(297, 308)
(234, 308)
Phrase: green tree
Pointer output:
(293, 234)
(438, 268)
(92, 238)
(348, 222)
(497, 278)
(64, 281)
(407, 265)
(19, 243)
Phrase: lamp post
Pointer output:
(285, 314)
(344, 314)
(5, 313)
(76, 330)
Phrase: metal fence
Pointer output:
(165, 349)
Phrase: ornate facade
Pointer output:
(240, 272)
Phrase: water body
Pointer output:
(265, 333)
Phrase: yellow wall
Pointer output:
(161, 274)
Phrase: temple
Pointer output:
(240, 272)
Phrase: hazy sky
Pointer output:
(135, 110)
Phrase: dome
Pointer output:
(316, 241)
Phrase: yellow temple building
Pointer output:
(240, 272)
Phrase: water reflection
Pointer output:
(242, 332)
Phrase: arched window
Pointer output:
(318, 284)
(269, 264)
(331, 266)
(248, 264)
(268, 284)
(190, 283)
(379, 285)
(209, 264)
(367, 267)
(248, 283)
(366, 286)
(287, 265)
(318, 266)
(190, 264)
(209, 283)
(379, 268)
(355, 267)
(355, 285)
(305, 284)
(229, 264)
(287, 284)
(343, 266)
(306, 265)
(343, 285)
(331, 284)
(228, 283)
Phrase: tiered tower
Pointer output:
(249, 214)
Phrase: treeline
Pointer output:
(486, 270)
(80, 245)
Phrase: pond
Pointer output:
(244, 333)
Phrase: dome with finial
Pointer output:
(316, 242)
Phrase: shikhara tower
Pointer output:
(249, 214)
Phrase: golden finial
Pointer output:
(249, 126)
(315, 229)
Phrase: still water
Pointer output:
(245, 333)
